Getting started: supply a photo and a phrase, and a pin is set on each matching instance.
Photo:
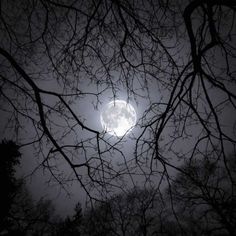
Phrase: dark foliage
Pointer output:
(62, 60)
(20, 214)
(9, 158)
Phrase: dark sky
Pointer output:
(62, 62)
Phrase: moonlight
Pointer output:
(118, 118)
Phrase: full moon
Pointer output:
(118, 118)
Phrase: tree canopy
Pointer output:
(20, 214)
(9, 158)
(62, 60)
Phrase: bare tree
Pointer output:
(20, 214)
(205, 198)
(71, 225)
(201, 195)
(134, 213)
(30, 217)
(175, 58)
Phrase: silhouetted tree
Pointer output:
(71, 225)
(99, 220)
(199, 201)
(20, 214)
(205, 197)
(32, 217)
(9, 158)
(175, 59)
(138, 212)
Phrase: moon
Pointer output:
(118, 118)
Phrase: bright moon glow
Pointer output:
(118, 118)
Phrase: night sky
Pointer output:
(62, 62)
